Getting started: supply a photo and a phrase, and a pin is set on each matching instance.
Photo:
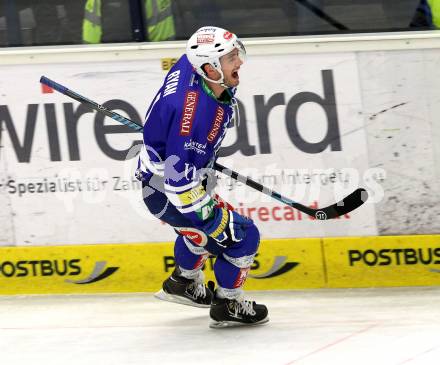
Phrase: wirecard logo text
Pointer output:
(22, 124)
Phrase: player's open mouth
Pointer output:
(235, 75)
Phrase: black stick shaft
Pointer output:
(351, 202)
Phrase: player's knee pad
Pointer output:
(189, 256)
(252, 237)
(247, 246)
(243, 254)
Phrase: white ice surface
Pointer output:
(362, 326)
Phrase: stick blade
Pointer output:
(346, 205)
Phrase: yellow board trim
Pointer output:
(167, 63)
(382, 261)
(280, 264)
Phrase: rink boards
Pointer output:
(347, 262)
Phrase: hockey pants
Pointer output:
(234, 259)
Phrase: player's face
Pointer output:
(231, 63)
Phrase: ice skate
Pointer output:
(236, 312)
(178, 289)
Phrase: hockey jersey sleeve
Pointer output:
(187, 155)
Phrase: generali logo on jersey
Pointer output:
(189, 108)
(216, 124)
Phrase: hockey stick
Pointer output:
(346, 205)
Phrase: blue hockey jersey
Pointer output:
(184, 127)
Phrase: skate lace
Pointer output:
(197, 287)
(244, 306)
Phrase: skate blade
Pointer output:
(179, 300)
(232, 324)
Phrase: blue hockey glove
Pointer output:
(227, 224)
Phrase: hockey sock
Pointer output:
(232, 267)
(230, 276)
(228, 293)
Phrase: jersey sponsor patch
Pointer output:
(189, 111)
(191, 196)
(206, 211)
(195, 146)
(193, 80)
(216, 124)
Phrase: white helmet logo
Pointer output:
(205, 38)
(227, 35)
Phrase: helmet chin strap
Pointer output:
(220, 81)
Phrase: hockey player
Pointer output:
(184, 127)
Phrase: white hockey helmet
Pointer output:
(207, 45)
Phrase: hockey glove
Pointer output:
(227, 224)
